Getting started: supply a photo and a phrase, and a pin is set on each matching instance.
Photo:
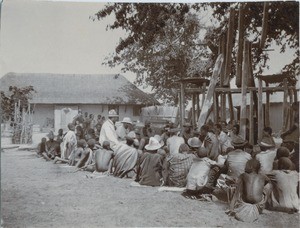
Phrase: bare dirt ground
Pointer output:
(36, 193)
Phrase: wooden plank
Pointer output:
(182, 101)
(267, 113)
(251, 120)
(285, 104)
(203, 93)
(291, 113)
(264, 25)
(245, 75)
(193, 109)
(216, 108)
(231, 108)
(260, 122)
(241, 33)
(229, 47)
(210, 92)
(197, 107)
(239, 90)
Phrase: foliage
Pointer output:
(22, 95)
(163, 43)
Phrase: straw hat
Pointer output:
(194, 142)
(127, 120)
(112, 113)
(50, 135)
(159, 139)
(266, 142)
(153, 144)
(238, 142)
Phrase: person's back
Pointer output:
(102, 159)
(174, 143)
(150, 169)
(236, 162)
(266, 159)
(178, 168)
(253, 187)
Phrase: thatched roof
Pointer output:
(78, 88)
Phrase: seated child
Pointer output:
(249, 199)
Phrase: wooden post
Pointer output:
(229, 46)
(193, 109)
(267, 113)
(251, 120)
(216, 108)
(203, 93)
(241, 30)
(222, 78)
(264, 25)
(197, 106)
(230, 103)
(291, 113)
(245, 74)
(182, 100)
(260, 110)
(285, 104)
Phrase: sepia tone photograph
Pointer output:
(149, 113)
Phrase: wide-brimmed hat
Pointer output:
(153, 144)
(50, 135)
(112, 113)
(238, 141)
(159, 139)
(266, 142)
(131, 135)
(194, 142)
(127, 120)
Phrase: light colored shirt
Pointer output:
(69, 144)
(108, 133)
(224, 142)
(122, 132)
(174, 143)
(266, 159)
(236, 162)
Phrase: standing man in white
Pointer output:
(108, 130)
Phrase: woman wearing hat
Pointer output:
(150, 165)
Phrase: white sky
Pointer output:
(59, 37)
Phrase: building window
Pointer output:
(136, 111)
(115, 107)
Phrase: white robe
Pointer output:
(69, 144)
(108, 133)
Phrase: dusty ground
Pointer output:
(36, 193)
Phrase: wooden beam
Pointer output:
(241, 34)
(251, 120)
(245, 75)
(197, 108)
(203, 93)
(260, 111)
(216, 108)
(229, 47)
(239, 90)
(210, 92)
(182, 101)
(231, 109)
(285, 104)
(193, 109)
(267, 113)
(264, 25)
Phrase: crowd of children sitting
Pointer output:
(215, 160)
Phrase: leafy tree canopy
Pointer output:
(164, 42)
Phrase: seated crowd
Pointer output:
(214, 161)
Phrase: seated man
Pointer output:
(125, 156)
(104, 158)
(198, 174)
(237, 159)
(281, 153)
(283, 196)
(224, 140)
(249, 199)
(266, 155)
(177, 167)
(78, 152)
(52, 148)
(194, 144)
(125, 128)
(210, 142)
(174, 142)
(150, 163)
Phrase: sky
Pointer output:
(58, 37)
